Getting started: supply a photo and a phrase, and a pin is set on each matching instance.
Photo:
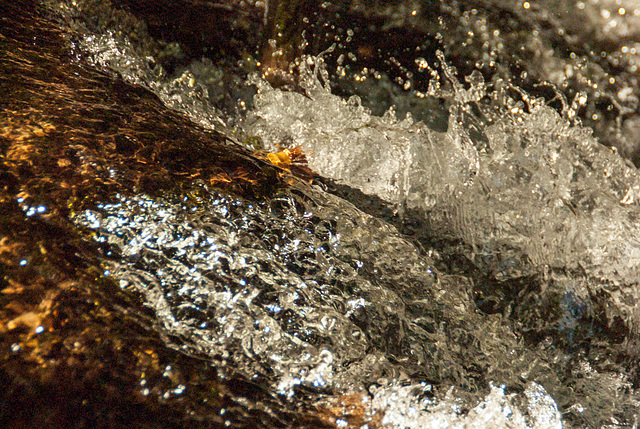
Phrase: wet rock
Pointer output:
(76, 350)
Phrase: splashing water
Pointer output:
(234, 280)
(526, 191)
(405, 409)
(306, 291)
(295, 291)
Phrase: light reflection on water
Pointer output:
(298, 292)
(312, 292)
(218, 273)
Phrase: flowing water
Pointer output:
(496, 283)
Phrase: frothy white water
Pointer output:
(526, 191)
(403, 408)
(326, 297)
(297, 298)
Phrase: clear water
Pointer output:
(529, 192)
(307, 291)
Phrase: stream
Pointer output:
(457, 243)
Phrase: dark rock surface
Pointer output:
(76, 350)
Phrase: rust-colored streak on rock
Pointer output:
(351, 411)
(292, 161)
(75, 133)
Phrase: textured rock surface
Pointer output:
(76, 350)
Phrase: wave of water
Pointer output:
(308, 292)
(526, 189)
